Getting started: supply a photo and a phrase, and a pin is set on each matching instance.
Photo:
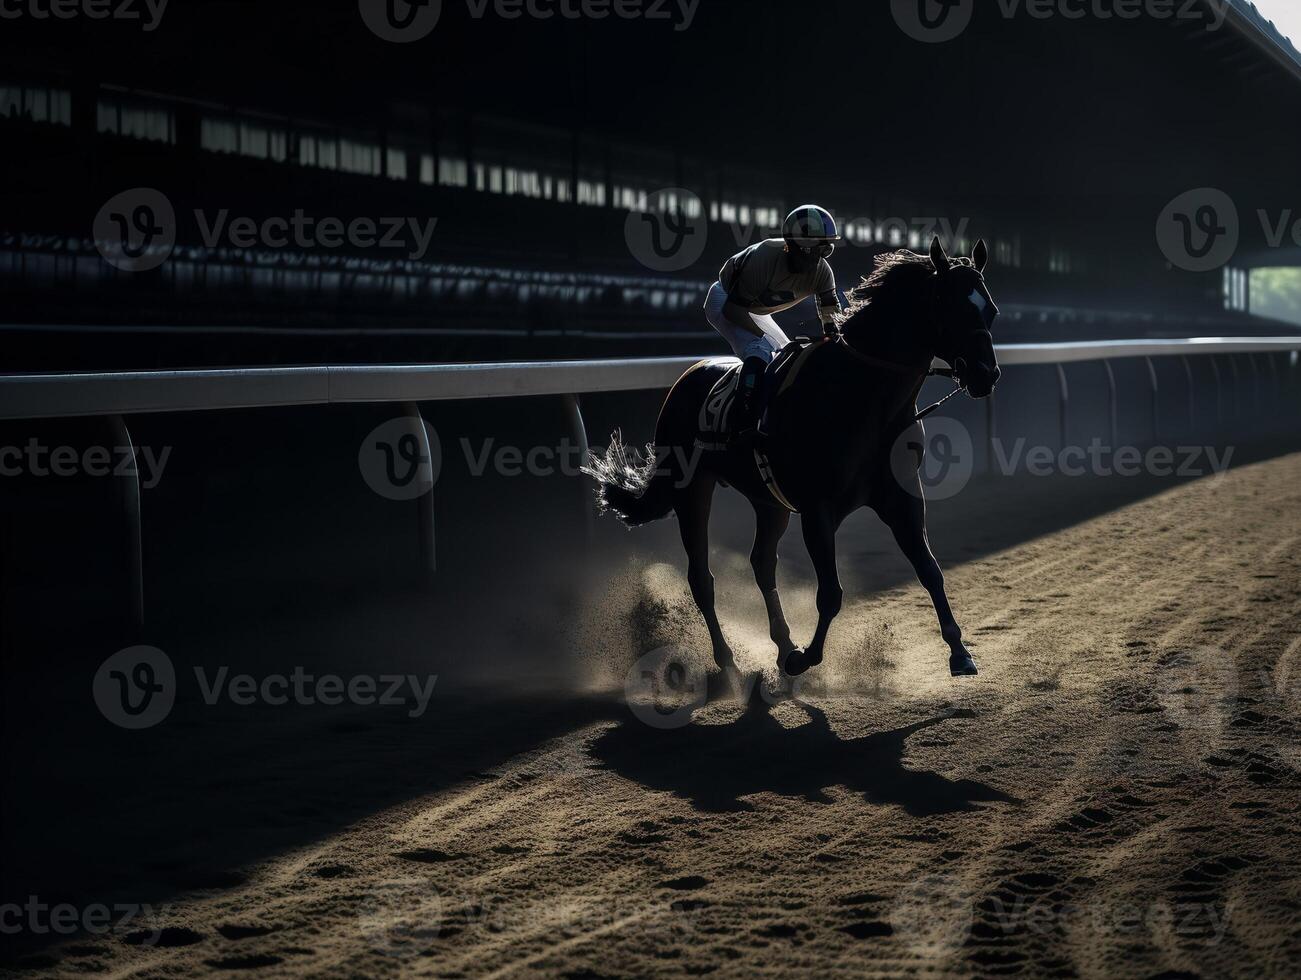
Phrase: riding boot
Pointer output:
(745, 413)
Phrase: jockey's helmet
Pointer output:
(812, 229)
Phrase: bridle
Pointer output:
(929, 372)
(905, 369)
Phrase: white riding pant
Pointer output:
(743, 343)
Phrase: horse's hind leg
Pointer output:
(770, 524)
(693, 521)
(905, 515)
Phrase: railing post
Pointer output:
(425, 502)
(1065, 399)
(129, 500)
(1237, 387)
(1156, 400)
(1192, 401)
(1219, 394)
(578, 430)
(1276, 396)
(1255, 386)
(1112, 407)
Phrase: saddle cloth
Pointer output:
(714, 424)
(716, 411)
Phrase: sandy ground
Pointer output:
(1115, 796)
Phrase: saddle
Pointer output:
(713, 427)
(714, 424)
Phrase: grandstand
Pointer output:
(531, 184)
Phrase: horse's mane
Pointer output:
(896, 275)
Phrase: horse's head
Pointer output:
(964, 318)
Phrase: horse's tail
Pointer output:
(636, 488)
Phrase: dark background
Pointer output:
(1062, 139)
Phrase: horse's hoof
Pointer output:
(961, 665)
(798, 661)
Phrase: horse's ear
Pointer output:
(939, 258)
(980, 256)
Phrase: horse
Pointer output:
(834, 439)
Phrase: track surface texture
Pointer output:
(1116, 795)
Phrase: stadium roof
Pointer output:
(1261, 32)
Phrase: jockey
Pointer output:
(764, 279)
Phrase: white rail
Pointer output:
(27, 396)
(119, 394)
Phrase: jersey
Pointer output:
(766, 285)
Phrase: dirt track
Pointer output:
(1115, 795)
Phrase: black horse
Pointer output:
(834, 443)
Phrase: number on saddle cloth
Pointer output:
(715, 415)
(716, 410)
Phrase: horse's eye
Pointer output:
(978, 301)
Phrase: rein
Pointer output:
(958, 390)
(905, 369)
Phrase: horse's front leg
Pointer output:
(820, 527)
(904, 512)
(770, 524)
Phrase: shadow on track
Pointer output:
(227, 788)
(714, 766)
